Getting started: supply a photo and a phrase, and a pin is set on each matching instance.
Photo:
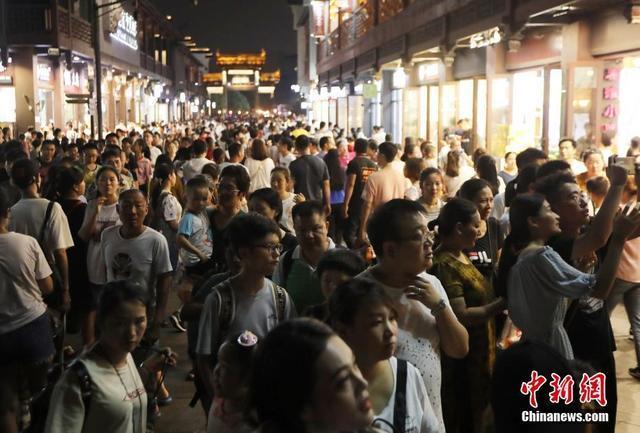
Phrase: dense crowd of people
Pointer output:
(326, 281)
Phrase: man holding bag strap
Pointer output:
(45, 221)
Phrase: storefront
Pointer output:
(45, 104)
(614, 96)
(76, 94)
(534, 87)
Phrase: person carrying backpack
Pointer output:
(104, 390)
(247, 300)
(364, 317)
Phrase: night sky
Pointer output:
(241, 25)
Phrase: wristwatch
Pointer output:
(439, 308)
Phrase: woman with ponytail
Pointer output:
(538, 280)
(70, 189)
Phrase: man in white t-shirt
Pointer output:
(426, 323)
(28, 217)
(193, 167)
(133, 251)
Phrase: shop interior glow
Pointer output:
(127, 31)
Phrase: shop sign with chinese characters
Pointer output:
(44, 73)
(484, 39)
(126, 31)
(610, 87)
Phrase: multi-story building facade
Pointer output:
(522, 72)
(48, 72)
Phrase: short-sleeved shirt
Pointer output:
(420, 417)
(141, 259)
(118, 400)
(27, 217)
(197, 229)
(362, 167)
(193, 167)
(285, 160)
(309, 173)
(385, 185)
(418, 337)
(257, 313)
(96, 269)
(259, 172)
(484, 254)
(302, 283)
(22, 264)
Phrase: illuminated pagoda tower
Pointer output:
(242, 72)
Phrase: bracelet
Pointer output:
(439, 308)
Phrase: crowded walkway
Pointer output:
(272, 273)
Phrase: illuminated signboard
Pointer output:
(240, 79)
(126, 31)
(44, 73)
(71, 78)
(240, 72)
(484, 39)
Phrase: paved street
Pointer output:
(180, 418)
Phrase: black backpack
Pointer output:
(40, 406)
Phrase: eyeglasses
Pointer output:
(272, 248)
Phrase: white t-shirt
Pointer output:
(22, 264)
(141, 259)
(420, 417)
(171, 211)
(414, 192)
(154, 153)
(197, 229)
(193, 167)
(27, 217)
(287, 213)
(259, 172)
(107, 217)
(258, 314)
(453, 184)
(418, 338)
(284, 161)
(115, 407)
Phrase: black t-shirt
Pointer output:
(77, 254)
(361, 167)
(589, 329)
(484, 254)
(309, 172)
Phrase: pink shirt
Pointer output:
(628, 269)
(385, 185)
(144, 171)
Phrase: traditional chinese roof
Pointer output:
(255, 60)
(270, 77)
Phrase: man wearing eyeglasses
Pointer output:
(257, 303)
(427, 325)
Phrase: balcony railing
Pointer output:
(80, 28)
